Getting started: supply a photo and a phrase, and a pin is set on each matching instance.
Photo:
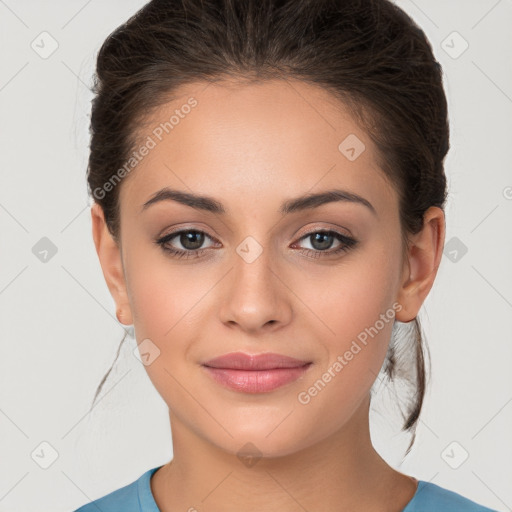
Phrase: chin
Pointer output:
(258, 443)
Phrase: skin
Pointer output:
(252, 147)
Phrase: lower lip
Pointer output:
(256, 381)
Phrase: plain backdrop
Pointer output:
(59, 333)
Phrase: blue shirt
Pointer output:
(137, 497)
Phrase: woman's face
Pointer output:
(264, 279)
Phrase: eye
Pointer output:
(322, 240)
(190, 239)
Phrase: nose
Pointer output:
(255, 295)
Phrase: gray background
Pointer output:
(59, 331)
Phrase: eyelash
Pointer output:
(347, 244)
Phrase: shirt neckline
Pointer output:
(414, 499)
(147, 501)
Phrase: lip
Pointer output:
(258, 373)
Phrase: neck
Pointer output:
(342, 472)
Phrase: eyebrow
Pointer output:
(301, 203)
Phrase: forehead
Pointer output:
(274, 138)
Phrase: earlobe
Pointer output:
(109, 255)
(424, 257)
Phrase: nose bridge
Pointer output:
(253, 269)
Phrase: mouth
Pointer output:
(259, 373)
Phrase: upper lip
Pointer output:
(243, 361)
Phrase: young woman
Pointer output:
(269, 197)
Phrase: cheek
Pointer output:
(166, 300)
(350, 298)
(169, 303)
(163, 294)
(354, 306)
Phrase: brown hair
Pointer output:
(368, 53)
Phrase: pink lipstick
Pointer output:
(259, 373)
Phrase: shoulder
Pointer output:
(430, 497)
(134, 497)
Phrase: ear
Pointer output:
(423, 259)
(109, 254)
